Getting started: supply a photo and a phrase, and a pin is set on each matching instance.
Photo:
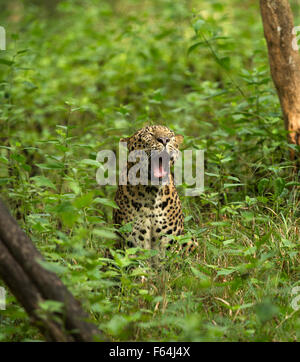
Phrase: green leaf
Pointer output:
(3, 159)
(248, 216)
(232, 185)
(67, 212)
(52, 306)
(224, 62)
(279, 185)
(52, 267)
(205, 281)
(6, 61)
(51, 165)
(194, 46)
(106, 202)
(224, 271)
(84, 200)
(266, 310)
(198, 25)
(90, 162)
(262, 185)
(105, 233)
(43, 181)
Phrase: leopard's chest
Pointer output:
(154, 213)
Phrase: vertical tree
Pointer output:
(284, 61)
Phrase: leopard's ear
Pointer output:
(179, 139)
(125, 140)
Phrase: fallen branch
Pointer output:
(31, 284)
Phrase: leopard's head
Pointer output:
(159, 145)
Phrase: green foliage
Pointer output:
(79, 75)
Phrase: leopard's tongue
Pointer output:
(158, 170)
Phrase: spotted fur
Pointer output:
(154, 210)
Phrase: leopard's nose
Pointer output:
(163, 140)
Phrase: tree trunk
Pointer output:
(284, 61)
(31, 284)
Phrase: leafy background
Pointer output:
(76, 76)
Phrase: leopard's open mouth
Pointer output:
(159, 166)
(159, 169)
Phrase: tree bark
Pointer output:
(31, 283)
(284, 61)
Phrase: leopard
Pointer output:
(153, 208)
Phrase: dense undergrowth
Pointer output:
(79, 75)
